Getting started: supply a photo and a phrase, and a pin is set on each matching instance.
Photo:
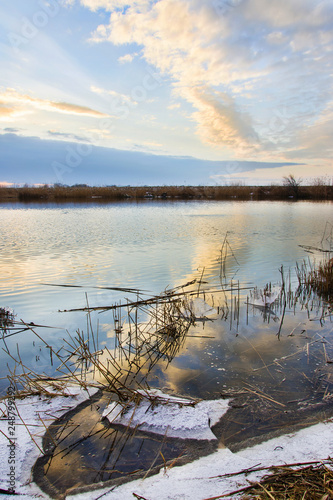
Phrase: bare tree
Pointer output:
(292, 184)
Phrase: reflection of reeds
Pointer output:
(6, 318)
(145, 331)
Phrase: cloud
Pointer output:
(32, 160)
(174, 106)
(9, 112)
(110, 5)
(115, 95)
(316, 136)
(6, 184)
(290, 14)
(11, 130)
(247, 67)
(64, 136)
(73, 109)
(6, 111)
(22, 103)
(127, 58)
(99, 133)
(116, 100)
(145, 146)
(220, 122)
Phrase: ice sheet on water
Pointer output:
(267, 297)
(170, 416)
(200, 308)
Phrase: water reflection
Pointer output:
(82, 450)
(235, 352)
(274, 385)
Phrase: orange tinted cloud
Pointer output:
(18, 102)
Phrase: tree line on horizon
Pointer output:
(291, 188)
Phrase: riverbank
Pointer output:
(77, 193)
(216, 475)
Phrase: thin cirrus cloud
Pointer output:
(247, 67)
(15, 103)
(113, 95)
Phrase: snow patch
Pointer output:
(27, 429)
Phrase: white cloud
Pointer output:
(110, 5)
(174, 106)
(317, 136)
(277, 38)
(246, 66)
(116, 96)
(282, 14)
(220, 122)
(127, 58)
(99, 133)
(144, 145)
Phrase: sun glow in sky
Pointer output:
(229, 81)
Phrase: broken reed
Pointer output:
(145, 331)
(138, 347)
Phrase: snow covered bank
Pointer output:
(209, 477)
(22, 426)
(204, 478)
(170, 416)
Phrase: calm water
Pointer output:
(151, 246)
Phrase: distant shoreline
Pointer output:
(83, 193)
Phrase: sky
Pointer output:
(165, 91)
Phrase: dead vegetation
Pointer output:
(6, 318)
(147, 330)
(318, 278)
(322, 189)
(312, 482)
(300, 481)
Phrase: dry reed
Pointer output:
(322, 189)
(314, 482)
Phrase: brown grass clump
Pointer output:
(318, 279)
(314, 482)
(321, 279)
